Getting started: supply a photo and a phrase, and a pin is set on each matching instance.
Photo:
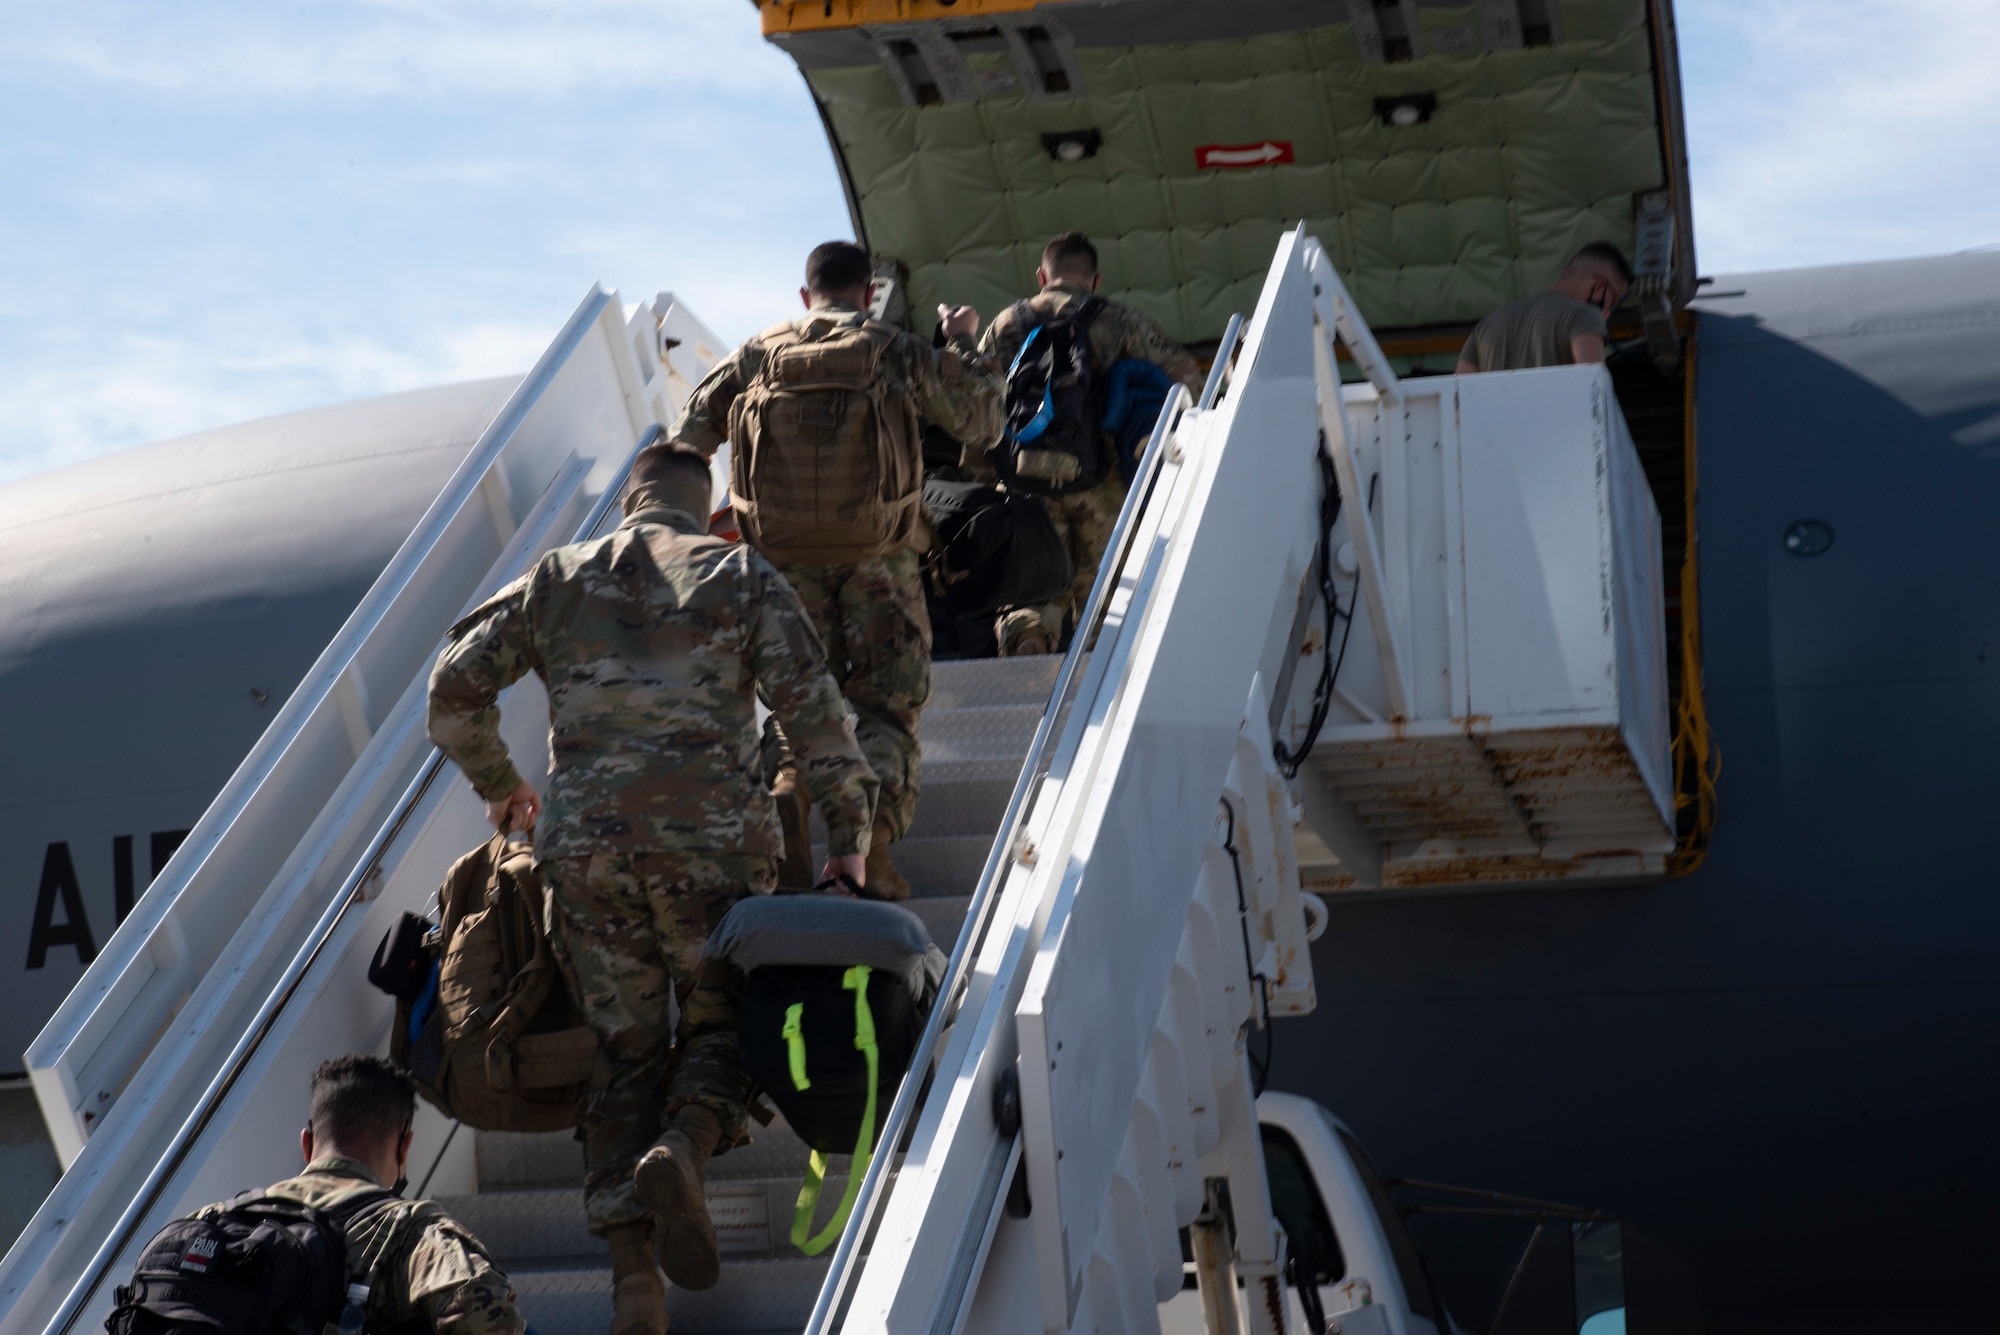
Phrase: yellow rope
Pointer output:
(1697, 759)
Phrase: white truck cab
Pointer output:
(1342, 1227)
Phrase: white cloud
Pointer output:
(405, 48)
(1824, 131)
(139, 389)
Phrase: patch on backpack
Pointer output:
(199, 1253)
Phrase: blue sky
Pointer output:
(213, 211)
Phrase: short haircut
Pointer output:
(360, 1100)
(1068, 253)
(838, 266)
(1604, 252)
(668, 460)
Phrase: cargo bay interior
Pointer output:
(1449, 156)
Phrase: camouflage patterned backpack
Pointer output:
(491, 1034)
(825, 455)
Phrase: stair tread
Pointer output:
(754, 1296)
(976, 729)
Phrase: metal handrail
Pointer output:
(317, 686)
(219, 1088)
(985, 897)
(1220, 367)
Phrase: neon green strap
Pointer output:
(864, 1145)
(795, 1045)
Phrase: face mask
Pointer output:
(402, 1185)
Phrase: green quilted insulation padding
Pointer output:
(1530, 154)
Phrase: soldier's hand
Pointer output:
(851, 865)
(959, 320)
(517, 810)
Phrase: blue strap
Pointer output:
(426, 1002)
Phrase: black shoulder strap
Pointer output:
(343, 1215)
(1086, 313)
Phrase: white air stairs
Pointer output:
(529, 1206)
(1131, 894)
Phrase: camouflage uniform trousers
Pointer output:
(1085, 520)
(877, 631)
(628, 929)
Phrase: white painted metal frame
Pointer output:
(153, 1025)
(1119, 965)
(1500, 715)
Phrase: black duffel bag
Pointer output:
(995, 548)
(835, 995)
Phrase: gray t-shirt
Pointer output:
(1534, 331)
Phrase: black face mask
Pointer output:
(402, 1172)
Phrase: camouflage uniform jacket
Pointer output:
(1117, 333)
(955, 387)
(653, 642)
(423, 1270)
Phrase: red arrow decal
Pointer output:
(1243, 155)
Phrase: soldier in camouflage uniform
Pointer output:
(421, 1267)
(869, 611)
(1067, 275)
(653, 643)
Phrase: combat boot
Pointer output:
(638, 1295)
(1028, 643)
(884, 881)
(668, 1180)
(795, 818)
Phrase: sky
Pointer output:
(213, 211)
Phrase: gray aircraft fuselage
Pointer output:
(1782, 1067)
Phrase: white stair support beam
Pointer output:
(1268, 822)
(1338, 313)
(1336, 310)
(1103, 968)
(1368, 553)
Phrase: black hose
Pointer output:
(1291, 758)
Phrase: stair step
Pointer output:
(546, 1226)
(978, 732)
(529, 1210)
(969, 805)
(993, 681)
(767, 1295)
(942, 866)
(517, 1161)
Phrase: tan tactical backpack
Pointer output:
(825, 455)
(500, 1044)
